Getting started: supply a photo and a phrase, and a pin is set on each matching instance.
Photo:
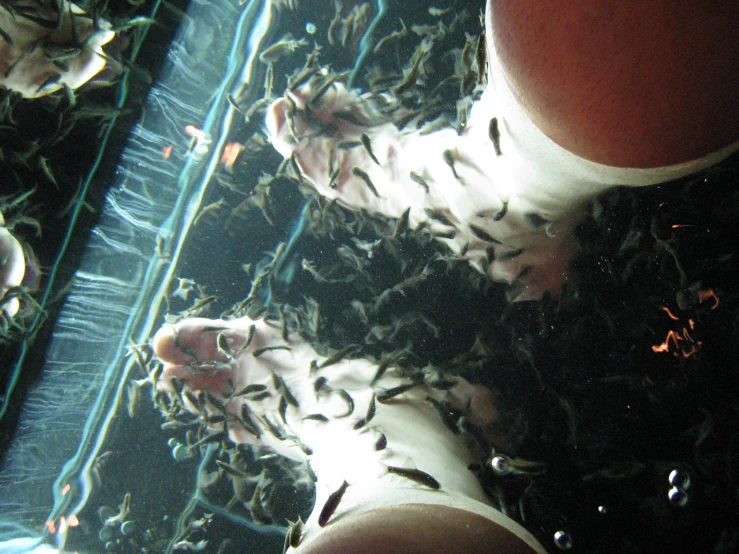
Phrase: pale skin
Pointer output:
(623, 84)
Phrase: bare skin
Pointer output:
(377, 506)
(12, 268)
(27, 68)
(627, 84)
(618, 85)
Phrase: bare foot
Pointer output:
(471, 190)
(378, 444)
(71, 52)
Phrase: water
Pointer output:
(584, 391)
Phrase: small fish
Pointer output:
(368, 146)
(501, 214)
(340, 355)
(280, 386)
(331, 504)
(449, 160)
(209, 209)
(403, 223)
(294, 534)
(500, 256)
(367, 418)
(385, 364)
(259, 351)
(334, 22)
(388, 394)
(349, 402)
(447, 416)
(223, 347)
(438, 215)
(348, 145)
(494, 134)
(49, 81)
(362, 175)
(283, 409)
(6, 36)
(248, 389)
(231, 470)
(261, 396)
(535, 220)
(481, 55)
(482, 234)
(316, 417)
(250, 335)
(415, 475)
(274, 52)
(381, 443)
(248, 422)
(391, 37)
(416, 178)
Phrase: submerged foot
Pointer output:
(459, 185)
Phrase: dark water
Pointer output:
(581, 385)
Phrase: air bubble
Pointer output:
(563, 540)
(310, 28)
(677, 496)
(128, 528)
(500, 465)
(678, 478)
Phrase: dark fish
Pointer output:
(535, 220)
(481, 58)
(415, 475)
(403, 223)
(509, 255)
(250, 335)
(316, 417)
(6, 36)
(276, 431)
(283, 409)
(248, 389)
(494, 134)
(294, 534)
(223, 347)
(349, 117)
(367, 418)
(438, 215)
(50, 81)
(501, 214)
(340, 355)
(447, 416)
(482, 234)
(348, 145)
(248, 422)
(349, 403)
(280, 386)
(320, 383)
(381, 443)
(259, 351)
(331, 504)
(362, 175)
(387, 394)
(231, 470)
(261, 396)
(368, 146)
(449, 160)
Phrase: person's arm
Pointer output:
(628, 84)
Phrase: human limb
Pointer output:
(627, 84)
(27, 61)
(206, 362)
(12, 269)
